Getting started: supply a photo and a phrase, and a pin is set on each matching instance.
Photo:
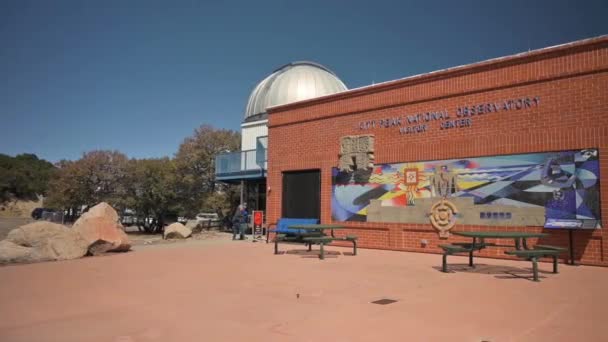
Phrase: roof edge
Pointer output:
(498, 62)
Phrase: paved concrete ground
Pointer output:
(222, 290)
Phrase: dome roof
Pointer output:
(293, 82)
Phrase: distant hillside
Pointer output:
(19, 208)
(24, 177)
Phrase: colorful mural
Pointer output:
(553, 186)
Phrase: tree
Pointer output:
(222, 200)
(195, 163)
(97, 176)
(24, 176)
(152, 189)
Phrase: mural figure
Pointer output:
(554, 176)
(443, 183)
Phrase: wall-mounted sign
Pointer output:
(460, 117)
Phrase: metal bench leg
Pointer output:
(444, 264)
(267, 235)
(471, 259)
(555, 264)
(276, 246)
(535, 268)
(322, 255)
(309, 246)
(354, 247)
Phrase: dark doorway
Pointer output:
(302, 194)
(255, 195)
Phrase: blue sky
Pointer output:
(140, 76)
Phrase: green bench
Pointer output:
(461, 247)
(325, 240)
(294, 239)
(539, 251)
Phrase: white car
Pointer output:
(205, 217)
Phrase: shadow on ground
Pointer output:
(305, 253)
(500, 272)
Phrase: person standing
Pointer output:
(239, 222)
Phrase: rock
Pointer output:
(194, 225)
(191, 224)
(100, 247)
(13, 253)
(103, 209)
(43, 241)
(177, 231)
(95, 229)
(100, 224)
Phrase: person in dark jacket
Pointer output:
(239, 222)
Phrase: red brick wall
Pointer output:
(571, 81)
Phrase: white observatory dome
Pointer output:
(293, 82)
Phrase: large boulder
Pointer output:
(103, 209)
(42, 241)
(100, 228)
(193, 225)
(177, 231)
(13, 253)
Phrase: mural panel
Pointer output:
(552, 189)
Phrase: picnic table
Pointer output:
(314, 234)
(519, 238)
(317, 227)
(522, 249)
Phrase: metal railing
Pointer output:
(240, 162)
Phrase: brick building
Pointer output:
(515, 143)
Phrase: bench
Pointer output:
(319, 240)
(460, 247)
(350, 238)
(539, 251)
(282, 227)
(299, 238)
(325, 240)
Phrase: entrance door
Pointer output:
(256, 195)
(302, 194)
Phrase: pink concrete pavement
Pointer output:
(239, 291)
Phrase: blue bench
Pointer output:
(282, 227)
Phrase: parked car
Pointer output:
(207, 219)
(128, 220)
(37, 213)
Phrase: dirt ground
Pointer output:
(143, 239)
(8, 224)
(221, 290)
(137, 238)
(19, 208)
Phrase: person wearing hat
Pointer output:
(239, 222)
